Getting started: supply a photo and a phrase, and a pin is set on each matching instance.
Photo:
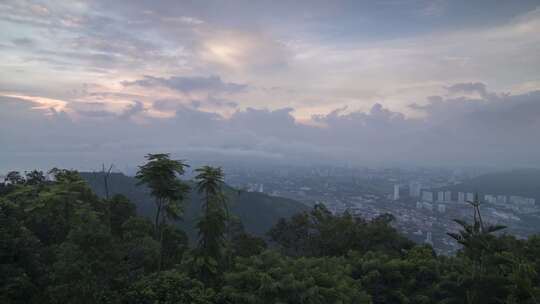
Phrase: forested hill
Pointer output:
(523, 182)
(61, 243)
(257, 211)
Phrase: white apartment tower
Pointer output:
(396, 192)
(461, 197)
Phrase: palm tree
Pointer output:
(212, 224)
(477, 241)
(471, 233)
(160, 174)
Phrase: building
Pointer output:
(415, 188)
(429, 239)
(522, 201)
(427, 206)
(469, 197)
(441, 208)
(501, 199)
(427, 196)
(440, 196)
(448, 196)
(492, 199)
(461, 197)
(396, 192)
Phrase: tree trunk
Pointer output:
(156, 220)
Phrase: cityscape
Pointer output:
(423, 208)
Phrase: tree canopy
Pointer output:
(61, 243)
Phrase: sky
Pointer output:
(389, 82)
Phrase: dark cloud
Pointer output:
(170, 104)
(132, 109)
(210, 84)
(97, 114)
(214, 103)
(468, 88)
(23, 42)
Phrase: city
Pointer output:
(423, 208)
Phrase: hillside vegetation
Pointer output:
(62, 243)
(257, 211)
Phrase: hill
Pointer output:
(522, 182)
(257, 211)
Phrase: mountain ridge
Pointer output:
(257, 211)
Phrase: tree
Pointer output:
(243, 244)
(321, 233)
(475, 237)
(480, 280)
(212, 224)
(14, 178)
(272, 278)
(106, 175)
(21, 262)
(35, 177)
(89, 265)
(120, 210)
(169, 287)
(175, 243)
(160, 174)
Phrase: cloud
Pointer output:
(471, 87)
(347, 80)
(498, 131)
(211, 84)
(23, 42)
(132, 109)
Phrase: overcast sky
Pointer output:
(352, 82)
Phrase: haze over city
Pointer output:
(444, 83)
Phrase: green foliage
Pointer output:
(21, 266)
(61, 243)
(243, 244)
(257, 211)
(90, 258)
(160, 174)
(120, 211)
(35, 177)
(319, 233)
(273, 278)
(397, 280)
(169, 287)
(175, 243)
(212, 224)
(14, 178)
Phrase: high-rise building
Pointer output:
(448, 196)
(469, 197)
(440, 196)
(429, 239)
(501, 199)
(461, 197)
(427, 196)
(414, 189)
(396, 192)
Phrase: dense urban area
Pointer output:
(424, 201)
